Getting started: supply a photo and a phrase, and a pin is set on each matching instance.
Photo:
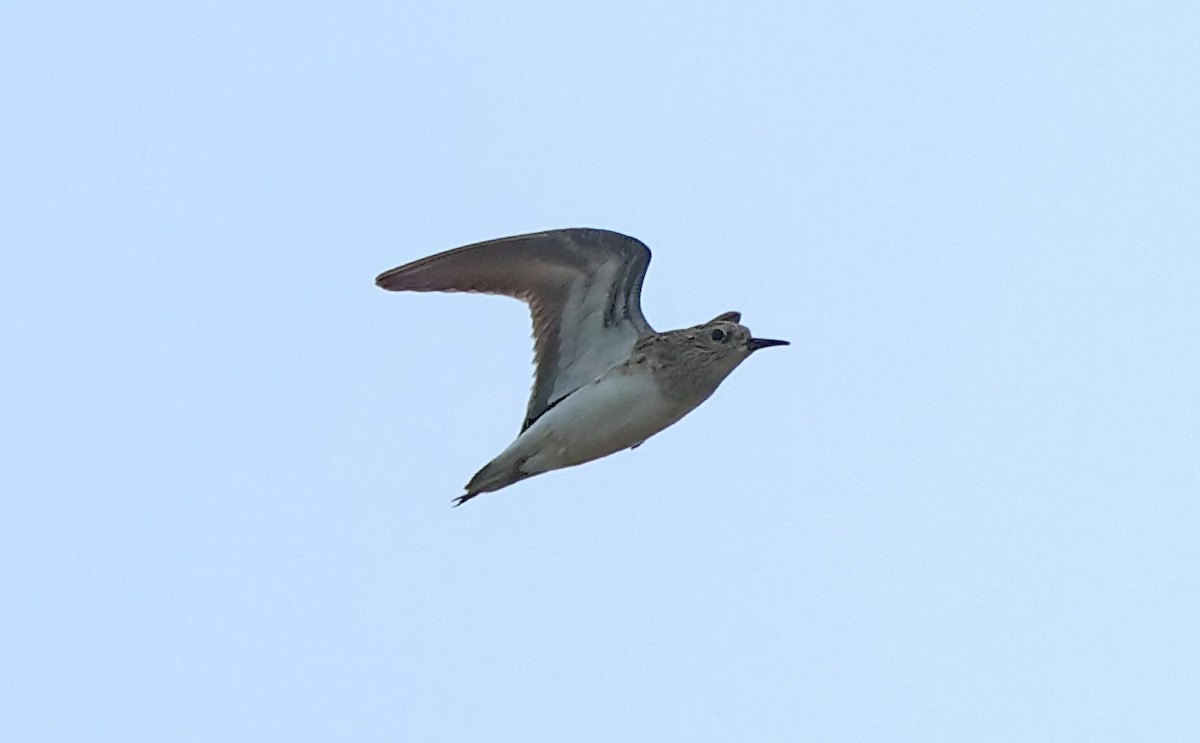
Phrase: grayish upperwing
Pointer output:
(583, 288)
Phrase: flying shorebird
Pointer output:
(605, 380)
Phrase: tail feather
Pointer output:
(495, 474)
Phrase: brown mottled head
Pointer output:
(695, 360)
(726, 329)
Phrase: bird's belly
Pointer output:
(606, 416)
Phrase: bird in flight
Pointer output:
(605, 380)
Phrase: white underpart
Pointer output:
(605, 416)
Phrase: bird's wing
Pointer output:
(583, 288)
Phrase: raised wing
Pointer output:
(583, 288)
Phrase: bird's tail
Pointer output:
(498, 473)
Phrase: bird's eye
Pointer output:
(718, 335)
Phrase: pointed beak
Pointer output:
(757, 343)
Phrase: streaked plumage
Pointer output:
(605, 379)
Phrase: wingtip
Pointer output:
(381, 280)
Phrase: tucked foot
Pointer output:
(462, 499)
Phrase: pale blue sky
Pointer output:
(963, 505)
